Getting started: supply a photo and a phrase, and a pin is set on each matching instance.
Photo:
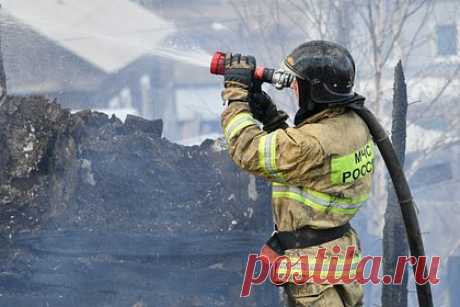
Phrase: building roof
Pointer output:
(107, 34)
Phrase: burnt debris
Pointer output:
(84, 194)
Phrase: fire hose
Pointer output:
(281, 79)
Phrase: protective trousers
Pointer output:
(313, 295)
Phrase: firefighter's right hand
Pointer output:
(238, 78)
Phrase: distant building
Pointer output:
(112, 57)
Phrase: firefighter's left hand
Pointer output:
(261, 106)
(264, 110)
(238, 78)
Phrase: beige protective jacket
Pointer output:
(320, 169)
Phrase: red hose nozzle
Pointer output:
(218, 63)
(280, 79)
(218, 68)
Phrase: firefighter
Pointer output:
(320, 169)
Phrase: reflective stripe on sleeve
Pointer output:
(267, 156)
(237, 123)
(319, 201)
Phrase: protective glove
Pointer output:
(265, 111)
(240, 85)
(238, 78)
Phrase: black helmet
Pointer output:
(325, 72)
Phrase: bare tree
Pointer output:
(384, 22)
